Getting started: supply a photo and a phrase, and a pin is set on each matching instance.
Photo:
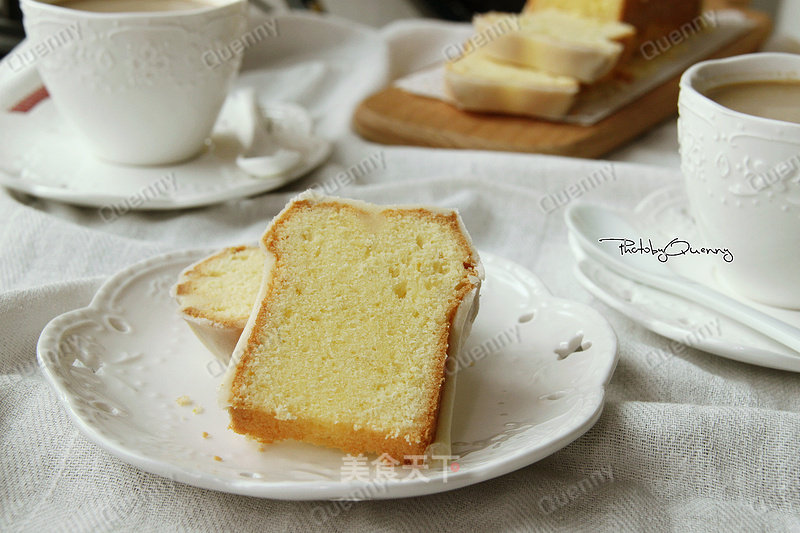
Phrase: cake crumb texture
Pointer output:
(184, 401)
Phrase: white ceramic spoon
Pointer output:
(263, 156)
(588, 224)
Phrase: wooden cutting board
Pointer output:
(393, 116)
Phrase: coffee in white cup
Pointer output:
(742, 169)
(773, 99)
(133, 84)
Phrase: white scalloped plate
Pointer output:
(664, 215)
(120, 364)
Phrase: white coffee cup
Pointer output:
(135, 85)
(742, 175)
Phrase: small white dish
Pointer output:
(40, 156)
(533, 380)
(663, 216)
(591, 225)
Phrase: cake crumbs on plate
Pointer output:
(184, 400)
(205, 434)
(198, 410)
(218, 458)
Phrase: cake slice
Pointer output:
(215, 296)
(358, 310)
(477, 82)
(556, 42)
(651, 18)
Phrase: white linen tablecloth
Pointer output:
(695, 443)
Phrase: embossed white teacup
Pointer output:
(742, 175)
(134, 84)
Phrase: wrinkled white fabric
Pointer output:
(695, 443)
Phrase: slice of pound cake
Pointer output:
(360, 307)
(477, 82)
(215, 296)
(556, 42)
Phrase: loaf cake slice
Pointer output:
(358, 310)
(215, 296)
(556, 42)
(651, 18)
(477, 82)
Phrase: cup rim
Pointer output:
(687, 84)
(57, 9)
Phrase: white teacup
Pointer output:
(134, 84)
(742, 176)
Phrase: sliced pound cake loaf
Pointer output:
(359, 307)
(215, 296)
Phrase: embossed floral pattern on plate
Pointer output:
(534, 381)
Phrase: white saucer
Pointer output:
(663, 216)
(40, 155)
(537, 382)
